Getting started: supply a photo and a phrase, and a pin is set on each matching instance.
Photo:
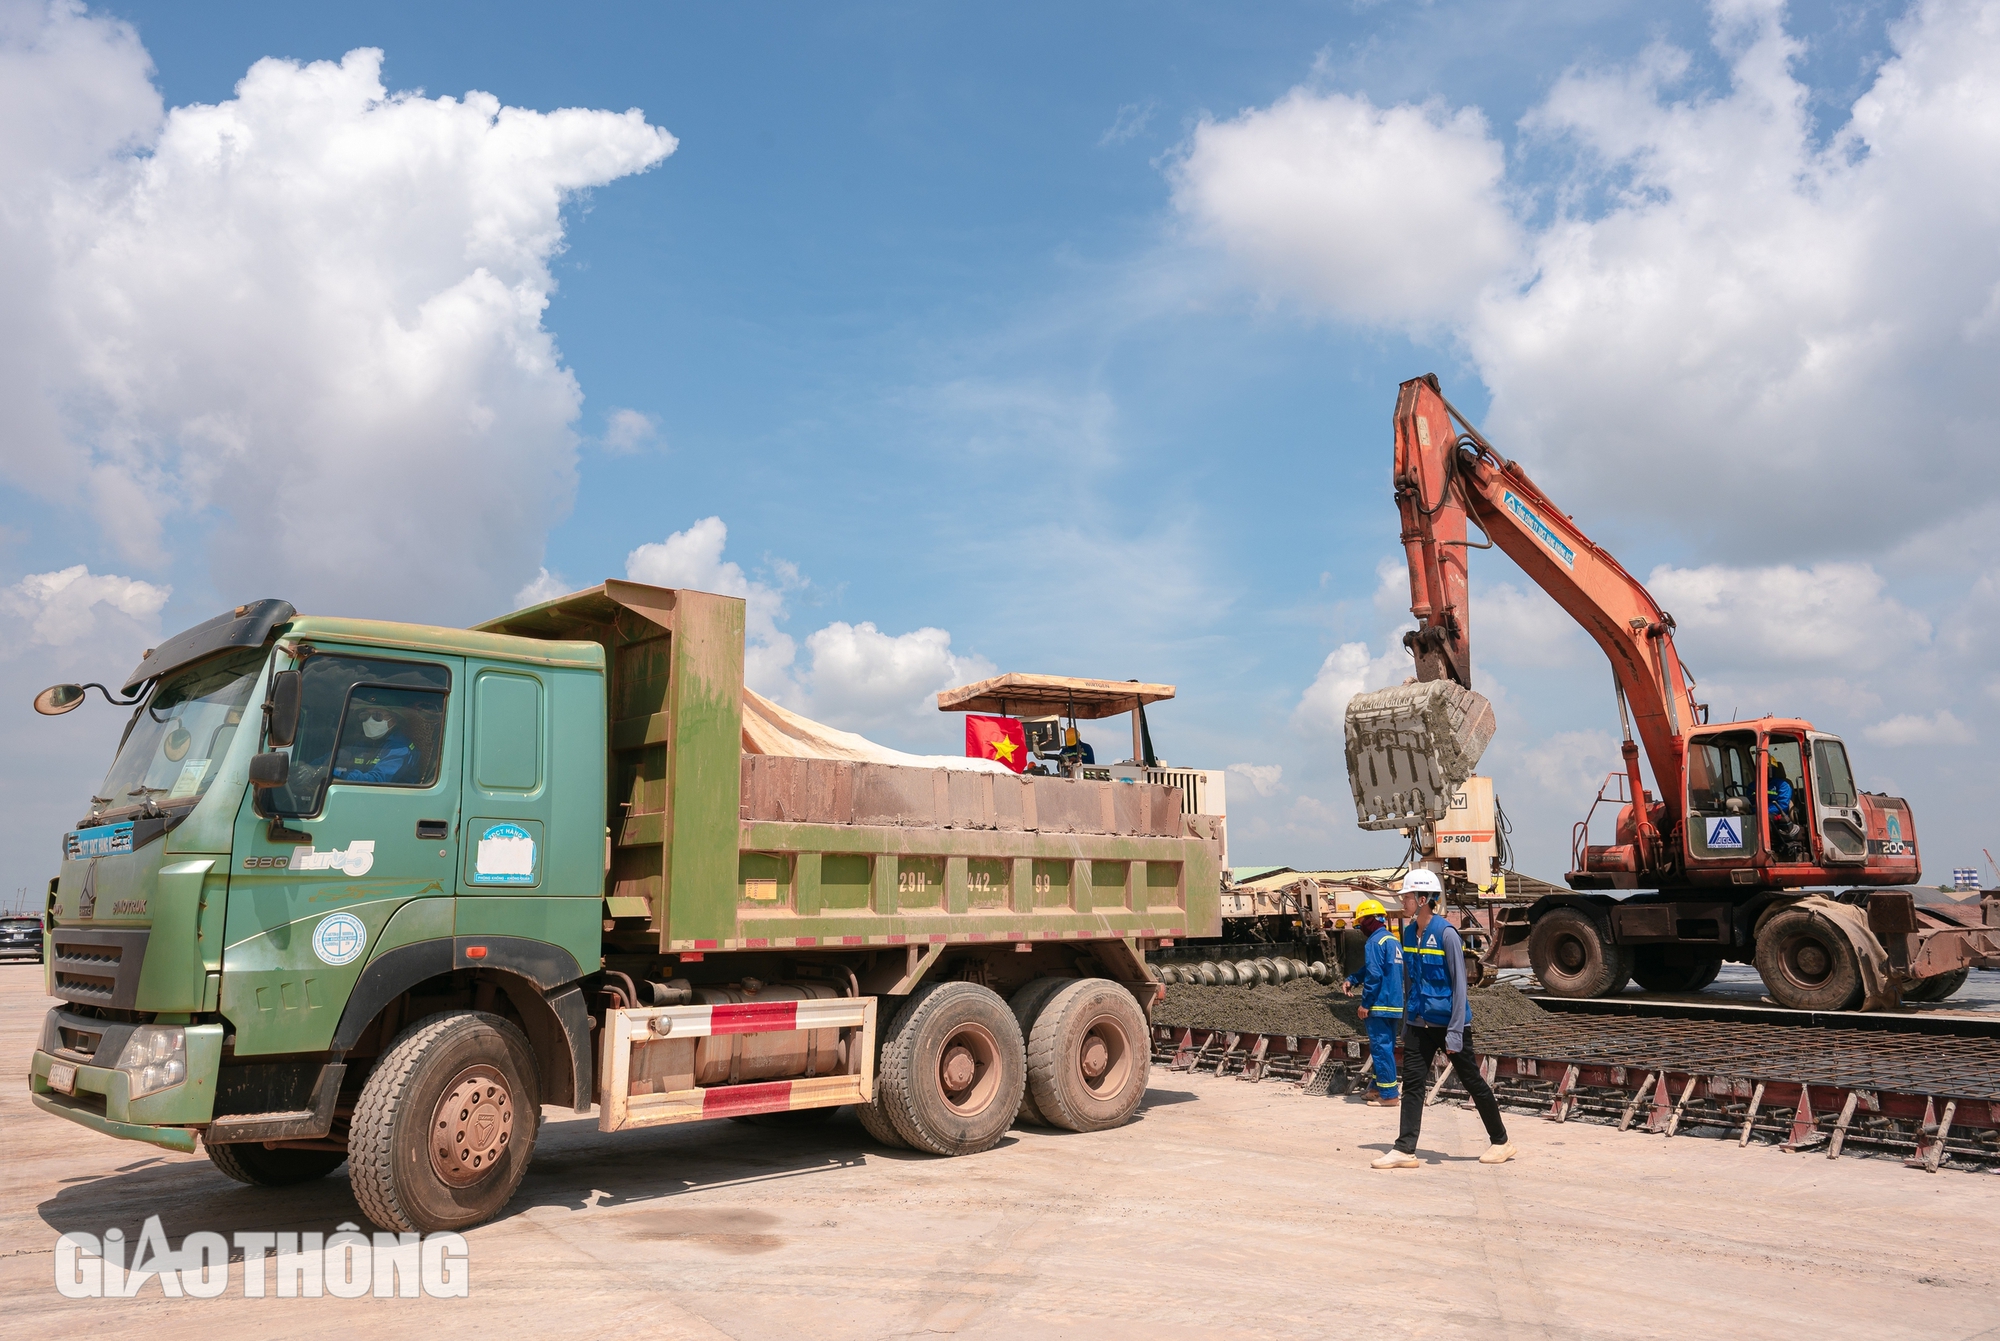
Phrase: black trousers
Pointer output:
(1421, 1043)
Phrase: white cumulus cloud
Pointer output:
(305, 322)
(1395, 215)
(1787, 616)
(627, 431)
(1264, 779)
(1347, 670)
(1939, 728)
(62, 608)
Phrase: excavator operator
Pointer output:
(1381, 983)
(1784, 832)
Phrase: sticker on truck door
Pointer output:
(506, 856)
(1724, 831)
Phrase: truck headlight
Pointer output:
(154, 1059)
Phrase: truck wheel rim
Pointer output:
(1570, 955)
(969, 1070)
(1104, 1058)
(472, 1126)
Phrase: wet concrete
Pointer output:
(1229, 1209)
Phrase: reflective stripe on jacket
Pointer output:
(1382, 974)
(1429, 957)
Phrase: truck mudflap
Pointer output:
(654, 1056)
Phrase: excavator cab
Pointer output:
(1744, 827)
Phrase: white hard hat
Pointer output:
(1422, 882)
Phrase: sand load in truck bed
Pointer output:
(1409, 748)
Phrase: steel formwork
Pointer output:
(1931, 1099)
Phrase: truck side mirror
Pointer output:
(58, 699)
(282, 711)
(270, 769)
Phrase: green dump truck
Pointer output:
(374, 893)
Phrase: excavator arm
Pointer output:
(1442, 479)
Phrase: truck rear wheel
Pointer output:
(1027, 1006)
(1940, 988)
(1807, 964)
(1572, 958)
(446, 1124)
(1674, 968)
(1088, 1057)
(258, 1167)
(953, 1069)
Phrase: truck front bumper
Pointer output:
(100, 1097)
(80, 1112)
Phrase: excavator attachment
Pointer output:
(1409, 748)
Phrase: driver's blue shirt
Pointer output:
(1781, 797)
(384, 760)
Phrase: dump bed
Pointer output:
(709, 848)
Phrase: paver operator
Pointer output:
(1381, 982)
(1437, 1014)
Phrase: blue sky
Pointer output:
(964, 321)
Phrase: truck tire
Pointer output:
(952, 1069)
(1089, 1057)
(258, 1167)
(1673, 968)
(1027, 1003)
(1572, 958)
(1939, 988)
(873, 1115)
(1807, 964)
(446, 1124)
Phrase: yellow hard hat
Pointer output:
(1370, 908)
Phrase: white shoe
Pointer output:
(1396, 1159)
(1498, 1154)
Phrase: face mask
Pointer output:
(374, 727)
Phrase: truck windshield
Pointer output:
(177, 738)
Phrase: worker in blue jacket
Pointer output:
(1381, 982)
(1437, 1013)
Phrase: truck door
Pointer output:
(365, 823)
(507, 796)
(1836, 804)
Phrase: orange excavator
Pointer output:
(1748, 813)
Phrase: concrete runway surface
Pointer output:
(1228, 1210)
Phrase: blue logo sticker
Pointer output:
(106, 840)
(1895, 827)
(339, 938)
(506, 856)
(1541, 529)
(1722, 832)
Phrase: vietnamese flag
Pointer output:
(996, 738)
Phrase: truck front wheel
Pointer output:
(952, 1069)
(1807, 964)
(446, 1124)
(259, 1167)
(1573, 959)
(1089, 1057)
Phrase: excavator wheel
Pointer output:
(1940, 988)
(1807, 964)
(1572, 958)
(1674, 968)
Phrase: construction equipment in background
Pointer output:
(1050, 706)
(1725, 872)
